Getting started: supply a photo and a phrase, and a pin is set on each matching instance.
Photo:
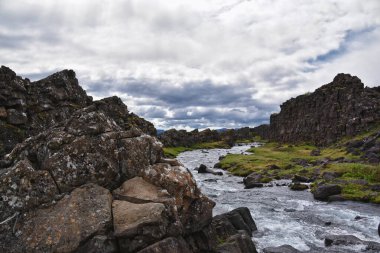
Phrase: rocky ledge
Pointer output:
(89, 177)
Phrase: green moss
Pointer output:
(266, 155)
(172, 152)
(370, 173)
(265, 180)
(358, 193)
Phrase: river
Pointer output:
(281, 215)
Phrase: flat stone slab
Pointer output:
(73, 220)
(129, 217)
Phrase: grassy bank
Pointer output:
(172, 152)
(275, 161)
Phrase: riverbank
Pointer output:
(359, 181)
(173, 152)
(284, 216)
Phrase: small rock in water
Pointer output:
(289, 210)
(202, 168)
(358, 217)
(211, 180)
(328, 223)
(254, 185)
(281, 249)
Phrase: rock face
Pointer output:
(182, 138)
(74, 219)
(343, 107)
(28, 108)
(56, 185)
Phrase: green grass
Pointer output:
(172, 152)
(285, 157)
(360, 193)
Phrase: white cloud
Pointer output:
(270, 50)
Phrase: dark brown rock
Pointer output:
(301, 179)
(99, 243)
(253, 180)
(322, 192)
(26, 108)
(24, 188)
(75, 218)
(238, 243)
(168, 245)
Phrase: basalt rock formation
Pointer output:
(341, 108)
(182, 138)
(90, 178)
(28, 108)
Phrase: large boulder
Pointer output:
(89, 147)
(323, 192)
(138, 225)
(23, 188)
(74, 219)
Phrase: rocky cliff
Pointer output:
(85, 176)
(343, 107)
(27, 108)
(182, 138)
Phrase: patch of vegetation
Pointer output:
(172, 152)
(359, 192)
(275, 161)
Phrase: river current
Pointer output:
(281, 215)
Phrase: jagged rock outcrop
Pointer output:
(28, 108)
(182, 138)
(93, 180)
(343, 107)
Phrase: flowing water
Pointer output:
(281, 215)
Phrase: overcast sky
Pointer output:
(196, 63)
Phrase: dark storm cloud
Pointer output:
(199, 104)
